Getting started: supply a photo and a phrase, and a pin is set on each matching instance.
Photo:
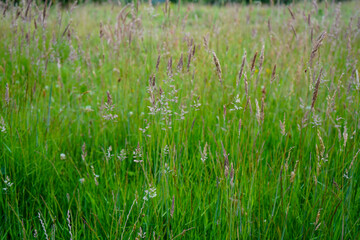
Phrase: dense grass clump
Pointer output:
(169, 122)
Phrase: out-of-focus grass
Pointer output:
(222, 164)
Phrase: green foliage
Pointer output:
(116, 121)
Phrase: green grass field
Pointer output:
(180, 122)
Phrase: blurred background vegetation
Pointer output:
(218, 2)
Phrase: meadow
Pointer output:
(180, 121)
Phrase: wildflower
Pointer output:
(62, 156)
(82, 180)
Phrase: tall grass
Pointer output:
(167, 122)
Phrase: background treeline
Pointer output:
(174, 1)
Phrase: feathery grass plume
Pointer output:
(43, 226)
(109, 98)
(226, 161)
(6, 7)
(262, 113)
(109, 108)
(169, 67)
(241, 69)
(180, 63)
(346, 175)
(316, 90)
(69, 224)
(293, 173)
(293, 29)
(316, 47)
(137, 154)
(84, 153)
(206, 41)
(261, 62)
(316, 7)
(232, 175)
(152, 80)
(262, 57)
(320, 153)
(288, 158)
(345, 136)
(248, 104)
(28, 8)
(218, 66)
(317, 221)
(7, 95)
(193, 50)
(246, 86)
(331, 100)
(204, 154)
(95, 176)
(189, 61)
(291, 13)
(258, 114)
(269, 25)
(273, 74)
(101, 31)
(239, 126)
(128, 215)
(352, 162)
(283, 126)
(172, 207)
(253, 63)
(44, 11)
(158, 62)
